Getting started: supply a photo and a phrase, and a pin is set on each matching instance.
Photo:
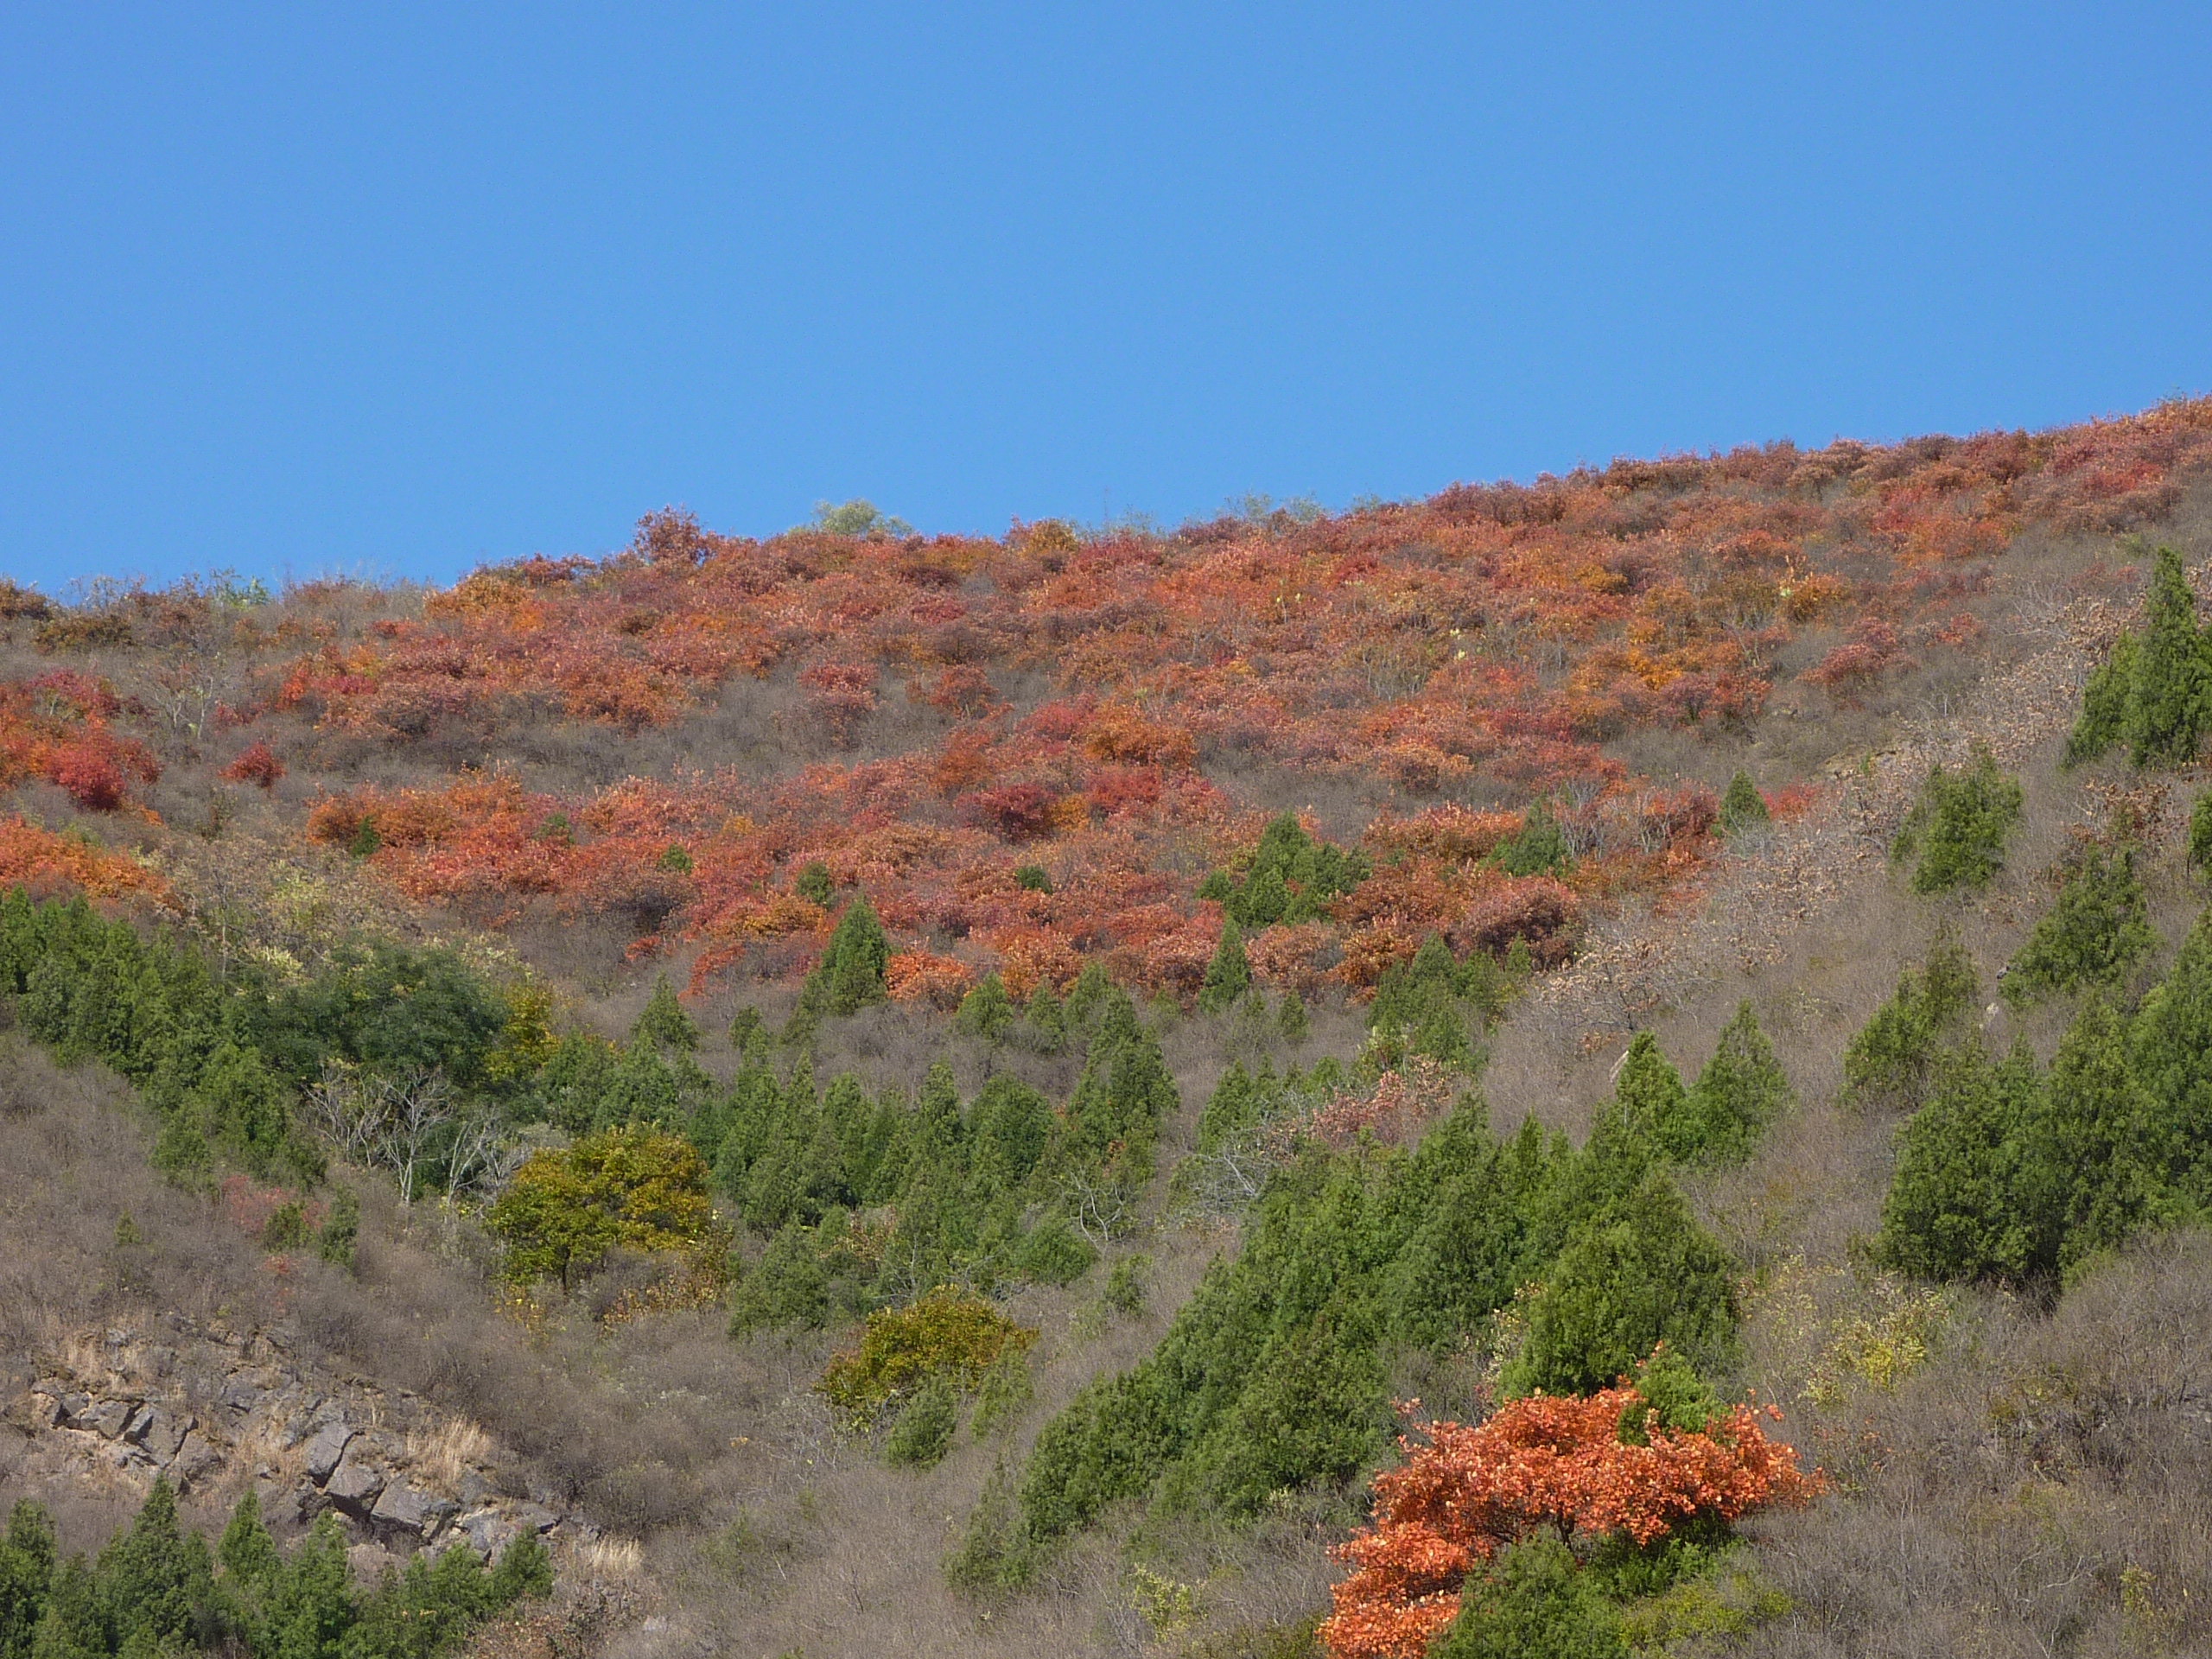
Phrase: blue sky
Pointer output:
(395, 290)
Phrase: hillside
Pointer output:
(882, 1093)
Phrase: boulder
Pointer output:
(110, 1417)
(353, 1487)
(195, 1461)
(326, 1450)
(159, 1430)
(488, 1532)
(32, 1412)
(411, 1512)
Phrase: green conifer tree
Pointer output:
(664, 1023)
(1230, 974)
(2168, 694)
(1743, 807)
(158, 1587)
(1540, 848)
(1742, 1090)
(1958, 1207)
(1651, 1097)
(1958, 830)
(2104, 716)
(1635, 1276)
(853, 970)
(2171, 1053)
(2096, 929)
(27, 1568)
(986, 1011)
(1533, 1600)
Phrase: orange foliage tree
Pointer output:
(1555, 1461)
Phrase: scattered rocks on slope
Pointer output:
(217, 1410)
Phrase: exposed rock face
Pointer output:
(219, 1410)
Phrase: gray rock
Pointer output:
(353, 1488)
(161, 1431)
(111, 1417)
(75, 1404)
(195, 1461)
(412, 1511)
(241, 1394)
(535, 1516)
(488, 1532)
(326, 1450)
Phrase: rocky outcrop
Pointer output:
(219, 1410)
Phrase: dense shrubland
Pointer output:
(1048, 1064)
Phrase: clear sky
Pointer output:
(395, 289)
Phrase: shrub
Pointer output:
(1953, 1209)
(1743, 807)
(1957, 830)
(2154, 691)
(1533, 1601)
(1634, 1276)
(664, 1023)
(1293, 878)
(986, 1011)
(1228, 975)
(1458, 1505)
(2097, 929)
(1741, 1091)
(812, 883)
(2200, 833)
(256, 764)
(1888, 1063)
(1540, 848)
(632, 1187)
(924, 1431)
(948, 1335)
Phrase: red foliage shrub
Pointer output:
(1545, 912)
(91, 775)
(256, 764)
(1549, 1461)
(1020, 811)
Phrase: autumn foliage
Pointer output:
(1550, 1461)
(56, 727)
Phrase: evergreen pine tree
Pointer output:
(2104, 717)
(1958, 1207)
(1540, 848)
(665, 1024)
(1635, 1276)
(1292, 1021)
(1651, 1097)
(72, 1624)
(309, 1607)
(1743, 807)
(157, 1585)
(1533, 1600)
(26, 1567)
(855, 967)
(2087, 1161)
(1959, 828)
(2169, 690)
(2171, 1051)
(1230, 974)
(1888, 1064)
(2200, 833)
(2097, 929)
(986, 1011)
(1742, 1090)
(1047, 1018)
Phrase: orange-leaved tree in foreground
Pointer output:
(1556, 1461)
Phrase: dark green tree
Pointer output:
(1888, 1064)
(1540, 848)
(2171, 1053)
(665, 1024)
(986, 1011)
(1631, 1278)
(1228, 975)
(1743, 807)
(1959, 1206)
(2103, 721)
(1958, 828)
(1741, 1091)
(26, 1567)
(2167, 701)
(2200, 833)
(1533, 1600)
(2096, 929)
(158, 1587)
(1651, 1097)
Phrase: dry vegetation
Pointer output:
(2015, 1473)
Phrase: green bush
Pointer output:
(926, 1425)
(986, 1011)
(1228, 975)
(1958, 828)
(1638, 1274)
(1540, 848)
(1292, 877)
(2154, 691)
(2096, 929)
(947, 1335)
(2200, 833)
(1533, 1600)
(1889, 1063)
(1743, 807)
(1742, 1090)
